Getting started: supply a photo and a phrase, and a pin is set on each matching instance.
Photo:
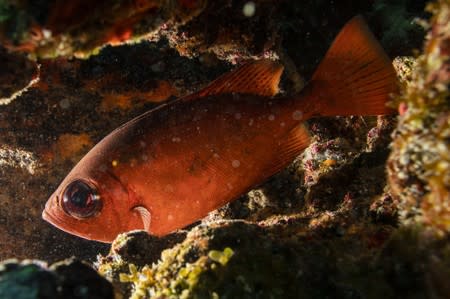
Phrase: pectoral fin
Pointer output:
(145, 215)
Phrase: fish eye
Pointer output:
(80, 200)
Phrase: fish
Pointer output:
(172, 165)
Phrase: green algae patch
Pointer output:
(147, 282)
(142, 280)
(128, 265)
(221, 257)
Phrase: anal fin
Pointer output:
(296, 141)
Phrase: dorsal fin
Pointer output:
(356, 77)
(259, 78)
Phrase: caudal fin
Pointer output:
(356, 77)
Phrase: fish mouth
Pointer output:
(50, 218)
(53, 220)
(47, 216)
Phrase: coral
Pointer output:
(236, 259)
(419, 166)
(212, 257)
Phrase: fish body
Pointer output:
(172, 165)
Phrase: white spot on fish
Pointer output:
(176, 139)
(144, 157)
(271, 117)
(229, 186)
(170, 217)
(216, 156)
(250, 123)
(297, 115)
(249, 9)
(282, 124)
(236, 163)
(237, 116)
(142, 144)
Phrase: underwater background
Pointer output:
(363, 212)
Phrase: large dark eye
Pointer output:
(80, 200)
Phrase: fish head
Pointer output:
(94, 205)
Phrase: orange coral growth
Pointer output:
(126, 100)
(70, 145)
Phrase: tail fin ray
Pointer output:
(356, 76)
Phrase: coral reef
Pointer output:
(419, 166)
(237, 259)
(232, 30)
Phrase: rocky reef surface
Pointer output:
(66, 279)
(359, 214)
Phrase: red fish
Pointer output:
(172, 165)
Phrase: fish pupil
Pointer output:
(80, 200)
